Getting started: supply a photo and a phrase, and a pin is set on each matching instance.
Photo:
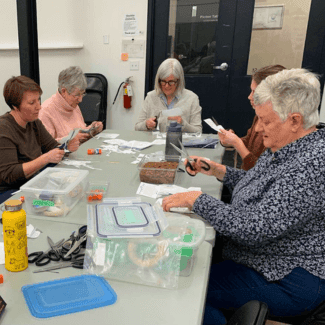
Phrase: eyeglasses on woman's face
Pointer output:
(170, 82)
(79, 94)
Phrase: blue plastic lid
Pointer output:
(68, 295)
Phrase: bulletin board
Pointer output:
(268, 17)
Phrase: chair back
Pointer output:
(252, 313)
(94, 105)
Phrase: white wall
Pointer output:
(63, 22)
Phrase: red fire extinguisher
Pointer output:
(127, 93)
(127, 96)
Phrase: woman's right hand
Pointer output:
(54, 156)
(83, 137)
(151, 122)
(216, 170)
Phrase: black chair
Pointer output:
(314, 317)
(255, 313)
(252, 313)
(94, 105)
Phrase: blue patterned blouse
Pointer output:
(276, 220)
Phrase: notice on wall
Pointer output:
(135, 48)
(130, 25)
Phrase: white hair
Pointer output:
(291, 91)
(72, 78)
(167, 68)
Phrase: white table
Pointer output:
(136, 304)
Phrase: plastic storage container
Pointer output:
(158, 169)
(192, 236)
(55, 191)
(96, 191)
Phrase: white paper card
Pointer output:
(100, 254)
(172, 112)
(213, 125)
(149, 190)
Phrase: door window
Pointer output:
(279, 33)
(192, 34)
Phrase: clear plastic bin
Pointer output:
(158, 169)
(97, 191)
(193, 234)
(55, 191)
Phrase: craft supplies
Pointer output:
(55, 191)
(96, 151)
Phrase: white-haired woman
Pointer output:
(170, 93)
(274, 226)
(61, 113)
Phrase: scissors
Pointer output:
(43, 258)
(78, 241)
(184, 152)
(76, 262)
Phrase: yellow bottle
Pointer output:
(15, 236)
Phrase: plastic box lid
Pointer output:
(126, 217)
(55, 180)
(68, 295)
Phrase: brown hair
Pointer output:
(264, 72)
(14, 89)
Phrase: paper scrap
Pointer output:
(148, 190)
(31, 232)
(176, 209)
(140, 156)
(158, 142)
(78, 163)
(2, 253)
(107, 135)
(99, 258)
(172, 112)
(134, 144)
(213, 125)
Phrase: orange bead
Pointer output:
(1, 278)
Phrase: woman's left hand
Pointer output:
(176, 118)
(98, 125)
(186, 199)
(74, 144)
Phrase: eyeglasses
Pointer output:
(79, 94)
(170, 83)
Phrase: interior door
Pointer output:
(244, 34)
(200, 34)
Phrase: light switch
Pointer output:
(134, 65)
(106, 39)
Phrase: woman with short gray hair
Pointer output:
(274, 227)
(170, 93)
(61, 113)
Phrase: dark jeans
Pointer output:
(231, 285)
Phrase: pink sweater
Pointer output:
(59, 117)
